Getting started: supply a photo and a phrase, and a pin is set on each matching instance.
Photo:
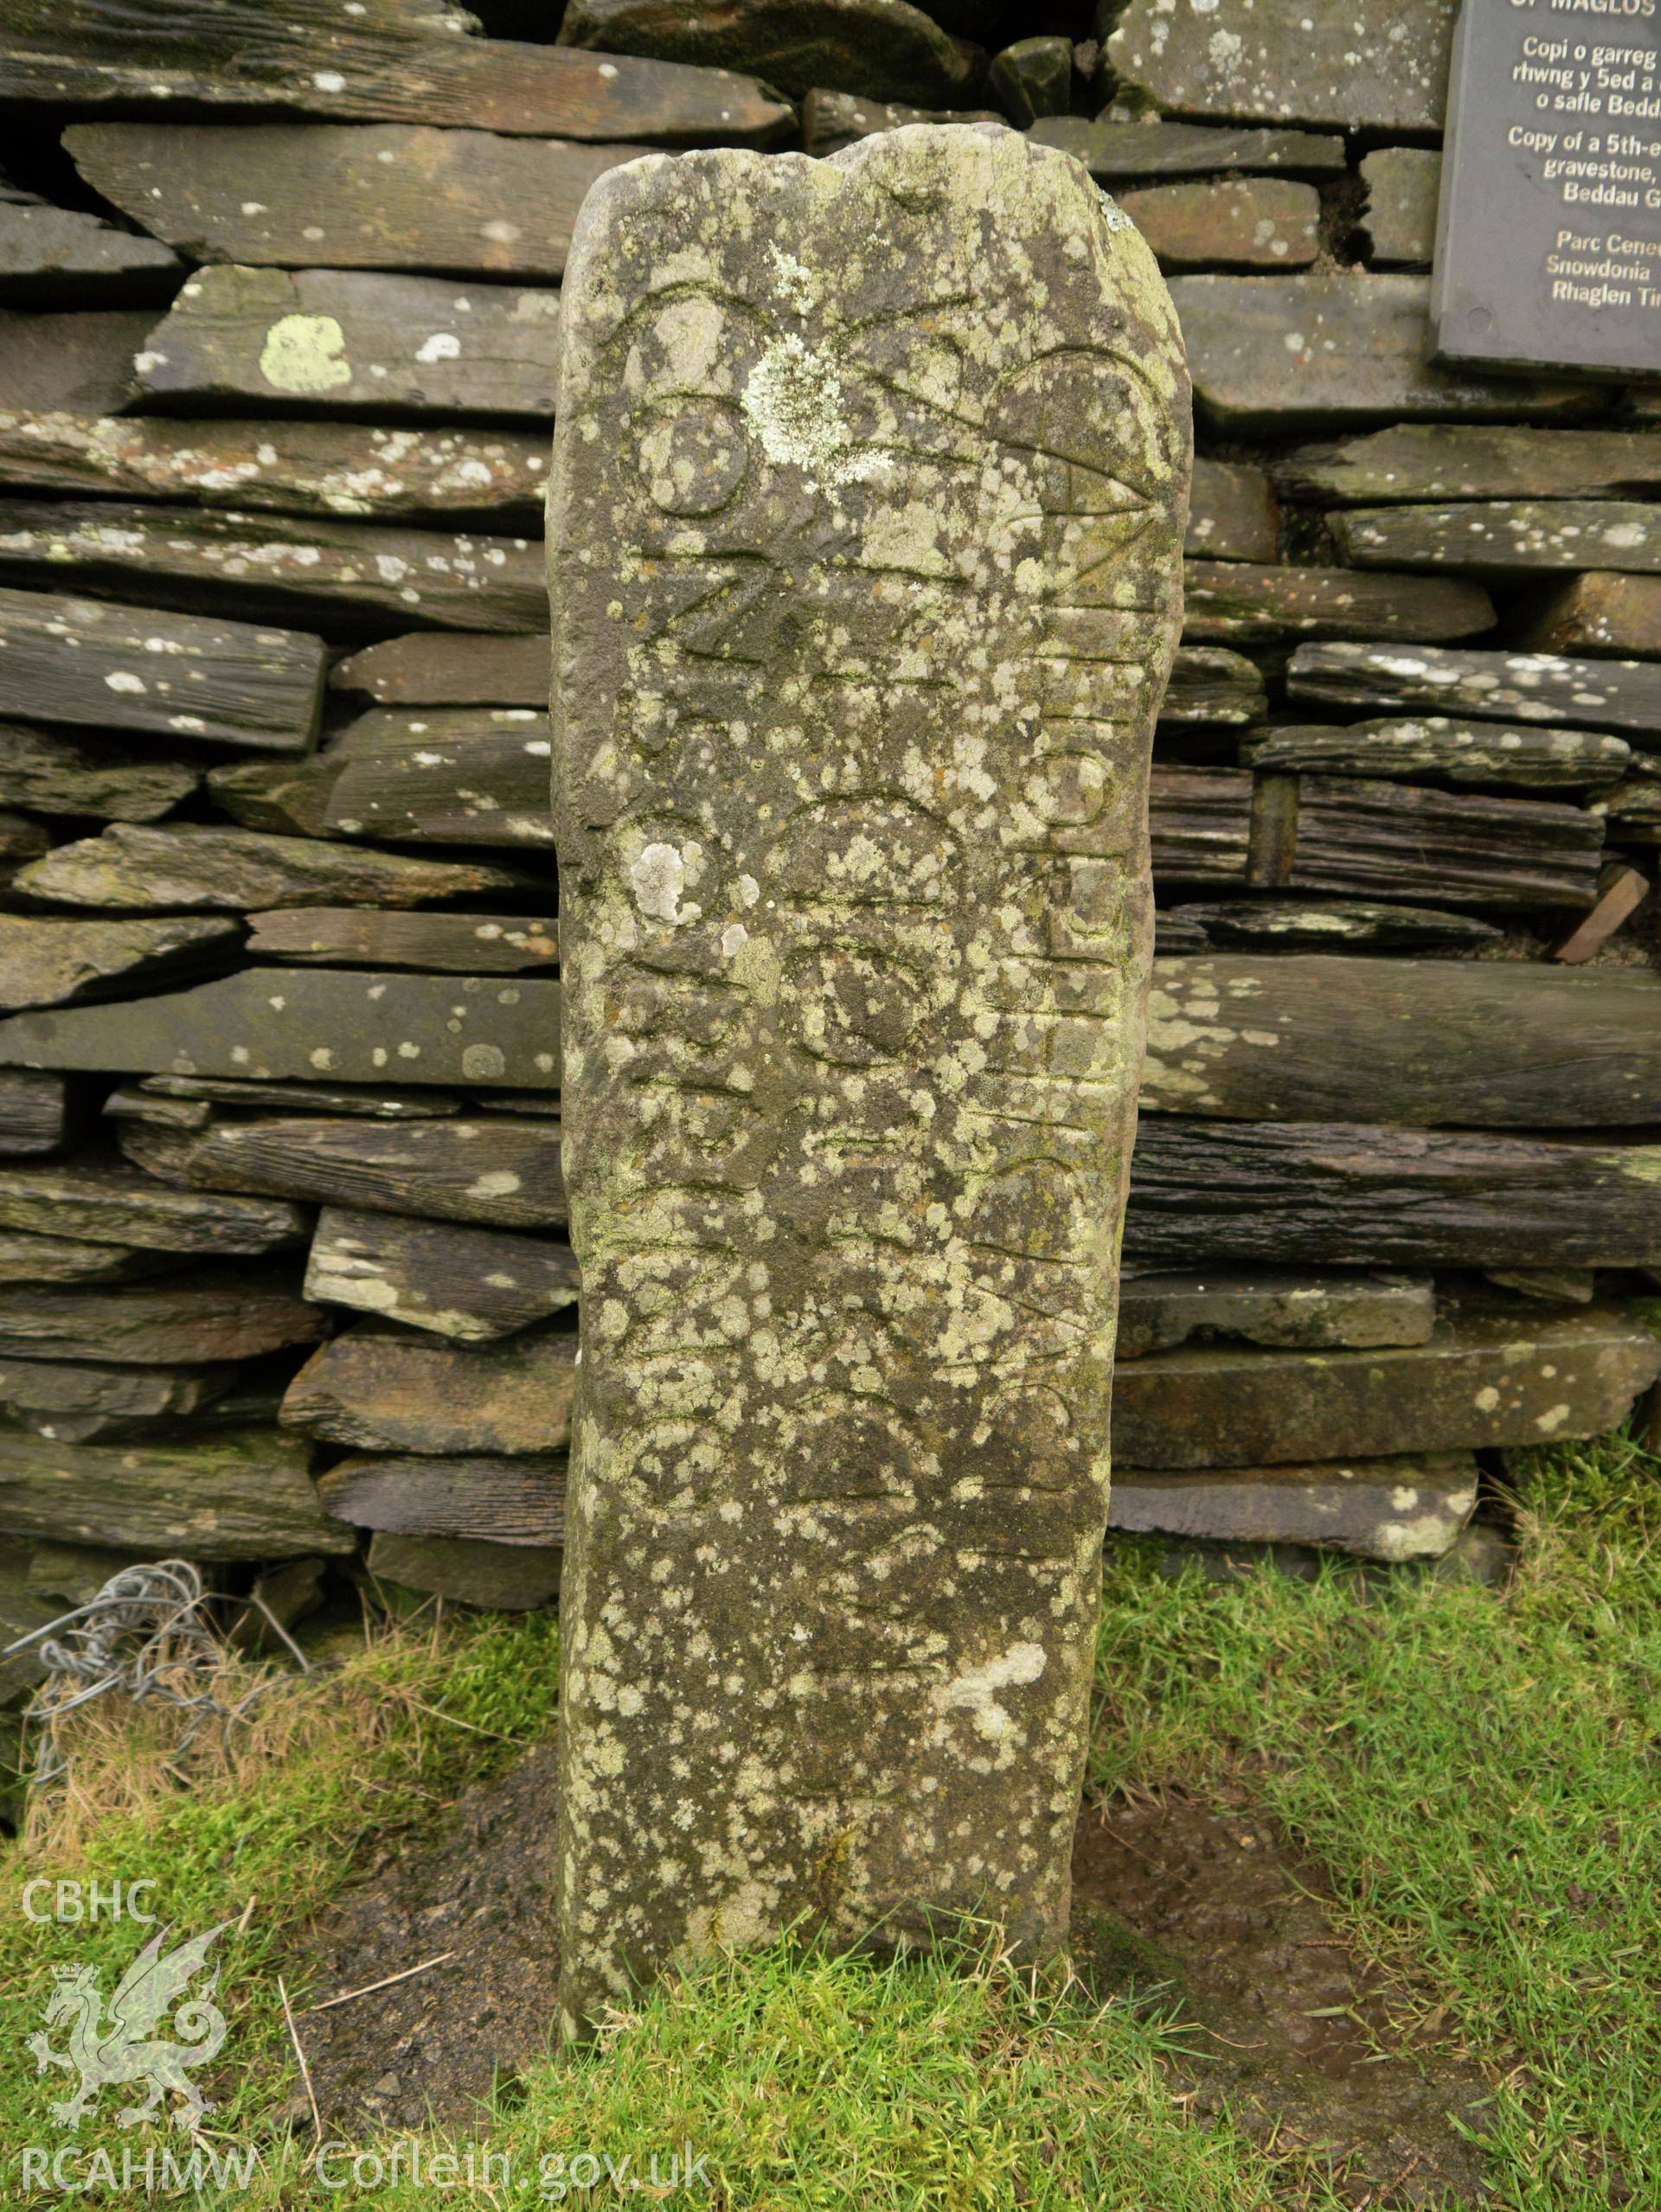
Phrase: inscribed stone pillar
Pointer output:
(867, 517)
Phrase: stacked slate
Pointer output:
(282, 1269)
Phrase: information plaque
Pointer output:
(1549, 238)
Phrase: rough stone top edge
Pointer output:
(1141, 293)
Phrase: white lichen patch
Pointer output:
(793, 403)
(658, 875)
(304, 353)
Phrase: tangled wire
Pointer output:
(149, 1636)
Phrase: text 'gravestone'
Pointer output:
(869, 481)
(1549, 242)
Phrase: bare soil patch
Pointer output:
(1200, 1905)
(432, 2046)
(1289, 2028)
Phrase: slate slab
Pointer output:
(1505, 537)
(34, 1114)
(1597, 614)
(51, 773)
(71, 1402)
(1371, 839)
(1241, 602)
(1156, 1312)
(1632, 813)
(80, 364)
(1200, 825)
(284, 568)
(1242, 222)
(1116, 153)
(1319, 924)
(518, 1500)
(1411, 1506)
(302, 468)
(195, 864)
(449, 670)
(354, 937)
(831, 120)
(378, 61)
(188, 1100)
(1308, 1193)
(357, 196)
(444, 776)
(1232, 513)
(244, 1494)
(1483, 1044)
(1401, 184)
(1478, 755)
(64, 256)
(503, 1171)
(1613, 696)
(20, 839)
(1212, 686)
(28, 1257)
(472, 1284)
(1338, 347)
(48, 962)
(1439, 461)
(77, 661)
(886, 49)
(348, 1025)
(378, 1390)
(1376, 65)
(507, 1577)
(345, 341)
(1484, 1382)
(209, 1314)
(1032, 78)
(102, 1202)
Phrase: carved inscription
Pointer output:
(869, 500)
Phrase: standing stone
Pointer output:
(887, 458)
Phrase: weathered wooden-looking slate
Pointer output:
(855, 925)
(1548, 253)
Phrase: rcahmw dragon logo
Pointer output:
(119, 2047)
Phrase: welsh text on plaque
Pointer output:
(1549, 243)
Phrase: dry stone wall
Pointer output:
(282, 1269)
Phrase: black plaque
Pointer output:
(1549, 240)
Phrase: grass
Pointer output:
(1477, 1773)
(326, 1769)
(1479, 1779)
